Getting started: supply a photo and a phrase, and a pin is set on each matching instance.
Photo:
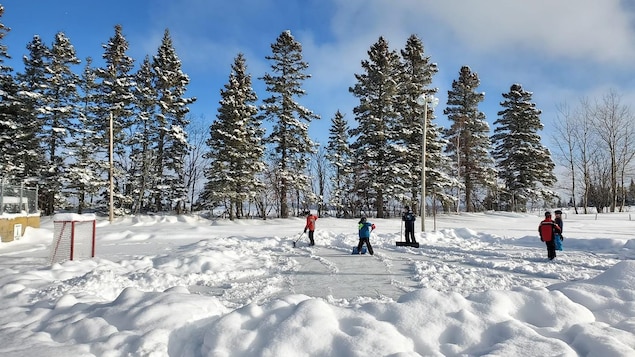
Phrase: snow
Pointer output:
(69, 217)
(480, 284)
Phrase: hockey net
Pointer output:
(73, 237)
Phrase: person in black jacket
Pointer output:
(409, 218)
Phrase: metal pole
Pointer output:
(2, 196)
(423, 165)
(458, 171)
(110, 150)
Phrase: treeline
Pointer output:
(596, 143)
(56, 125)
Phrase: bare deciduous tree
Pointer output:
(612, 119)
(564, 140)
(319, 165)
(195, 161)
(595, 141)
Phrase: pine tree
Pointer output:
(468, 136)
(236, 147)
(376, 149)
(418, 71)
(289, 137)
(115, 97)
(523, 162)
(20, 154)
(172, 148)
(61, 103)
(34, 81)
(86, 175)
(145, 138)
(339, 154)
(9, 105)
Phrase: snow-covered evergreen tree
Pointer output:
(418, 71)
(468, 138)
(377, 149)
(171, 86)
(9, 104)
(87, 171)
(20, 153)
(236, 147)
(524, 163)
(34, 82)
(339, 155)
(144, 139)
(60, 116)
(290, 139)
(115, 98)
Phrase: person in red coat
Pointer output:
(310, 225)
(548, 230)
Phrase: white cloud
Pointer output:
(599, 31)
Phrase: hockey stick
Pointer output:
(300, 237)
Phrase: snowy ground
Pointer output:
(480, 284)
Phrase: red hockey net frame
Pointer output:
(73, 239)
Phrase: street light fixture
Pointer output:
(424, 100)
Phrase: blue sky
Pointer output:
(559, 50)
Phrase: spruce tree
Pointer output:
(418, 71)
(468, 137)
(376, 153)
(60, 117)
(171, 86)
(115, 98)
(9, 108)
(86, 174)
(236, 147)
(20, 154)
(524, 164)
(289, 137)
(34, 81)
(339, 155)
(144, 139)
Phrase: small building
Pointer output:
(18, 210)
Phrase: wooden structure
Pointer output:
(18, 210)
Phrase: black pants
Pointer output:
(311, 237)
(361, 243)
(410, 232)
(551, 249)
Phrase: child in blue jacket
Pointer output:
(559, 238)
(365, 228)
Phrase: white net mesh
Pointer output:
(72, 240)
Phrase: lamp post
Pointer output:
(424, 100)
(111, 170)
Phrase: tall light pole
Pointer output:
(424, 100)
(111, 170)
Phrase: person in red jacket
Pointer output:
(548, 230)
(310, 225)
